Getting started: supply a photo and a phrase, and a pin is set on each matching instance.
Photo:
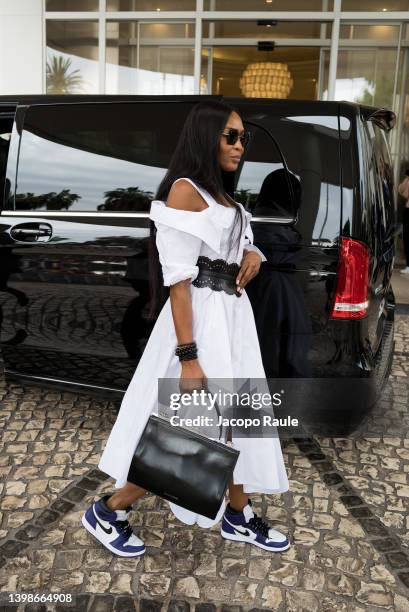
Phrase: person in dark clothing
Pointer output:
(403, 190)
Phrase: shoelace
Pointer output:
(124, 527)
(259, 525)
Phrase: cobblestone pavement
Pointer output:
(346, 513)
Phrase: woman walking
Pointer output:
(195, 223)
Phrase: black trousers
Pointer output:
(406, 233)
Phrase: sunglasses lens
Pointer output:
(244, 138)
(232, 137)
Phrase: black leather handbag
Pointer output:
(183, 466)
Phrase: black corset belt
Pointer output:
(217, 274)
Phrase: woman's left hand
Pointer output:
(250, 266)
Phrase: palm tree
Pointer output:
(129, 198)
(46, 201)
(58, 79)
(246, 198)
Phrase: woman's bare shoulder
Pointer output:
(184, 196)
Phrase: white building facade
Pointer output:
(304, 49)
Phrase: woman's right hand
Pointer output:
(192, 376)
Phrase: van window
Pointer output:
(310, 145)
(385, 173)
(6, 125)
(380, 177)
(264, 185)
(96, 156)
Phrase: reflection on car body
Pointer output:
(78, 174)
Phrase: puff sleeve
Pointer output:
(178, 253)
(179, 238)
(249, 238)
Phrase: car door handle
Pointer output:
(31, 232)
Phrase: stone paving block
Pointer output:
(88, 484)
(232, 567)
(373, 526)
(150, 605)
(125, 604)
(102, 603)
(397, 560)
(178, 606)
(244, 592)
(360, 512)
(154, 585)
(385, 544)
(345, 513)
(404, 577)
(28, 533)
(46, 517)
(75, 494)
(332, 479)
(69, 559)
(12, 547)
(374, 594)
(62, 506)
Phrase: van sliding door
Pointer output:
(74, 237)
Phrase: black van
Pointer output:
(77, 176)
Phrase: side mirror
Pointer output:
(384, 118)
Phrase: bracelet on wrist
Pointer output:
(186, 351)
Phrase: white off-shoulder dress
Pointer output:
(225, 332)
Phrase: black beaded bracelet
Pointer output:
(183, 347)
(188, 357)
(186, 351)
(183, 351)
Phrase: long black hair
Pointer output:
(195, 157)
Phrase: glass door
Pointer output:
(149, 57)
(366, 65)
(236, 60)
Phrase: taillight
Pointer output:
(351, 292)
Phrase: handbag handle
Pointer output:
(206, 388)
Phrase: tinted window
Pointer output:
(96, 157)
(380, 179)
(5, 134)
(310, 146)
(265, 186)
(385, 173)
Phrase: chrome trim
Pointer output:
(346, 307)
(136, 215)
(282, 220)
(45, 213)
(62, 380)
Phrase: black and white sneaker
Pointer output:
(246, 526)
(112, 529)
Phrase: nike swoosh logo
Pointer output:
(108, 531)
(244, 532)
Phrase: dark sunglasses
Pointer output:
(233, 134)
